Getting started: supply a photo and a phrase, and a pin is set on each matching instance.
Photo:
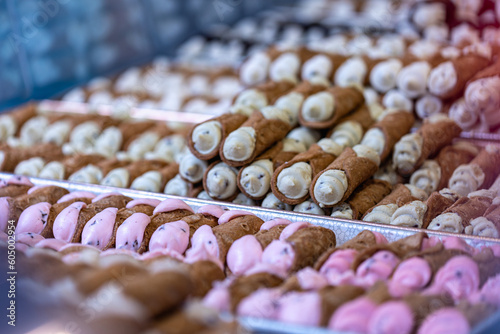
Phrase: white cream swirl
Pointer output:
(191, 168)
(319, 65)
(427, 177)
(33, 130)
(241, 199)
(204, 195)
(309, 207)
(482, 96)
(284, 115)
(412, 79)
(221, 181)
(464, 34)
(54, 170)
(462, 115)
(407, 151)
(149, 181)
(410, 215)
(330, 187)
(109, 142)
(450, 52)
(375, 139)
(442, 78)
(285, 67)
(30, 167)
(347, 134)
(88, 174)
(466, 179)
(294, 181)
(364, 151)
(118, 177)
(57, 133)
(343, 211)
(394, 99)
(145, 143)
(272, 202)
(318, 107)
(387, 173)
(254, 70)
(293, 145)
(450, 194)
(447, 222)
(75, 95)
(248, 101)
(416, 192)
(429, 14)
(256, 178)
(291, 103)
(168, 149)
(383, 76)
(207, 136)
(482, 227)
(177, 187)
(8, 127)
(84, 135)
(424, 49)
(428, 105)
(329, 146)
(304, 135)
(352, 72)
(240, 144)
(381, 214)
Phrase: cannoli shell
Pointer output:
(55, 210)
(113, 324)
(178, 323)
(306, 88)
(161, 129)
(203, 274)
(195, 221)
(228, 122)
(315, 157)
(231, 231)
(361, 116)
(309, 244)
(490, 165)
(243, 286)
(357, 170)
(368, 195)
(370, 64)
(400, 195)
(108, 165)
(139, 167)
(13, 190)
(466, 67)
(195, 189)
(493, 215)
(379, 293)
(346, 99)
(273, 90)
(337, 60)
(156, 221)
(265, 237)
(437, 256)
(488, 263)
(394, 126)
(160, 292)
(13, 156)
(75, 162)
(332, 297)
(423, 305)
(490, 71)
(267, 132)
(130, 129)
(469, 208)
(436, 204)
(168, 173)
(205, 177)
(21, 114)
(449, 158)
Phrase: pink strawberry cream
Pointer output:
(34, 218)
(4, 213)
(445, 320)
(204, 246)
(411, 275)
(489, 293)
(66, 220)
(379, 267)
(292, 228)
(29, 238)
(263, 303)
(131, 232)
(274, 222)
(457, 243)
(172, 204)
(143, 201)
(310, 279)
(99, 229)
(459, 278)
(394, 317)
(105, 195)
(16, 180)
(211, 210)
(51, 243)
(353, 316)
(229, 215)
(244, 253)
(218, 298)
(277, 259)
(76, 194)
(339, 262)
(173, 236)
(300, 308)
(380, 238)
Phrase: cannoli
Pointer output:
(13, 207)
(168, 149)
(287, 65)
(15, 186)
(263, 129)
(386, 172)
(254, 180)
(255, 69)
(220, 181)
(94, 173)
(428, 105)
(322, 65)
(480, 173)
(383, 76)
(155, 180)
(61, 170)
(260, 96)
(339, 179)
(273, 202)
(122, 177)
(83, 136)
(458, 216)
(435, 174)
(324, 109)
(11, 157)
(351, 128)
(205, 138)
(462, 115)
(486, 226)
(12, 122)
(399, 196)
(448, 79)
(365, 197)
(355, 71)
(30, 167)
(412, 150)
(144, 142)
(384, 134)
(180, 187)
(291, 181)
(309, 207)
(304, 135)
(395, 99)
(412, 79)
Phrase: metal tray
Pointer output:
(344, 231)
